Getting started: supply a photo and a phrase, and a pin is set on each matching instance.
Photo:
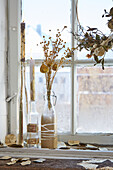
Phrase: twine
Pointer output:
(45, 133)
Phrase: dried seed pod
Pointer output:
(111, 11)
(110, 24)
(49, 62)
(55, 66)
(44, 68)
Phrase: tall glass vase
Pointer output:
(48, 124)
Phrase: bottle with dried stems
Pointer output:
(48, 123)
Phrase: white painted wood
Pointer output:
(103, 139)
(14, 9)
(3, 25)
(55, 153)
(3, 66)
(3, 127)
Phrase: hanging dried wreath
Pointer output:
(95, 41)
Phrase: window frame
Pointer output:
(13, 80)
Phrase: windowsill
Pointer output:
(55, 153)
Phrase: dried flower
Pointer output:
(94, 40)
(50, 66)
(43, 68)
(88, 55)
(99, 51)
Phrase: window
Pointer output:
(86, 91)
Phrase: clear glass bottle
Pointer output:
(33, 127)
(48, 124)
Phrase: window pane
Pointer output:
(40, 17)
(92, 16)
(95, 100)
(62, 90)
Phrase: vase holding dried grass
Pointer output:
(55, 54)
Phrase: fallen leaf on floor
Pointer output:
(25, 159)
(105, 168)
(95, 161)
(111, 160)
(26, 163)
(14, 159)
(11, 163)
(5, 157)
(87, 165)
(39, 160)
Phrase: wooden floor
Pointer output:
(50, 164)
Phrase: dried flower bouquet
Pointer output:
(50, 65)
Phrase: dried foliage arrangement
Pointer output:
(95, 41)
(50, 65)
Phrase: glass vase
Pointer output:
(48, 123)
(33, 127)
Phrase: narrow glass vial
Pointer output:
(33, 127)
(48, 125)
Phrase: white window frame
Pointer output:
(13, 81)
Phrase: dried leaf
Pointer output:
(25, 159)
(10, 139)
(91, 146)
(106, 168)
(14, 159)
(5, 157)
(39, 160)
(91, 29)
(26, 163)
(95, 161)
(103, 63)
(71, 142)
(11, 163)
(105, 11)
(88, 166)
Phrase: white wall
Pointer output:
(3, 68)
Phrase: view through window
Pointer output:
(40, 17)
(94, 86)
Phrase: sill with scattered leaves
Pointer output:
(56, 153)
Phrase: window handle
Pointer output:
(9, 98)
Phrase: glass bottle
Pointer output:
(48, 124)
(33, 127)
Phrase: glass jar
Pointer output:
(48, 124)
(33, 127)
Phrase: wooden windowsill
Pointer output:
(55, 153)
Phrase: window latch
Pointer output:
(8, 99)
